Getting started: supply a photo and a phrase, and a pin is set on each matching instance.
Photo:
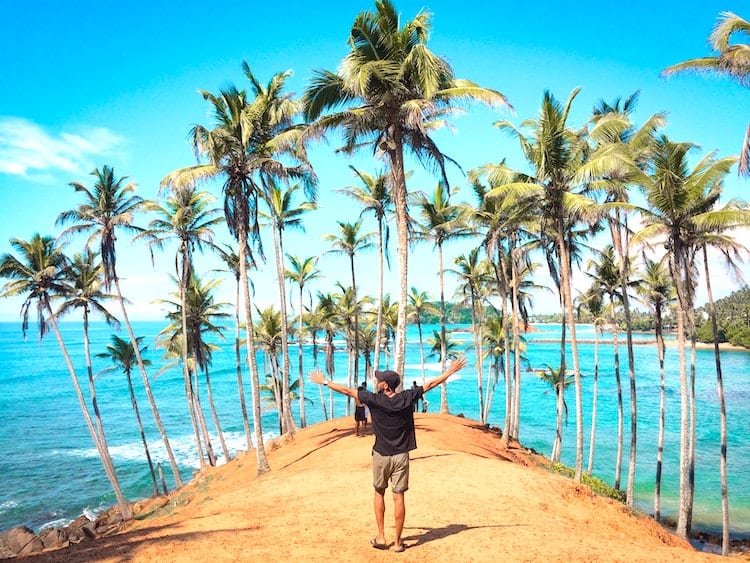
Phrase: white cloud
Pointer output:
(28, 150)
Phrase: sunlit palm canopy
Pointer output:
(403, 89)
(731, 60)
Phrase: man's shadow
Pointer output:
(431, 534)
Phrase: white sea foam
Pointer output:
(7, 505)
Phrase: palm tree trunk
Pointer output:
(300, 370)
(356, 327)
(662, 413)
(559, 399)
(190, 390)
(682, 304)
(260, 450)
(515, 307)
(238, 362)
(287, 420)
(568, 302)
(107, 460)
(722, 414)
(478, 349)
(443, 335)
(618, 383)
(125, 509)
(595, 394)
(396, 157)
(622, 251)
(379, 322)
(200, 417)
(421, 349)
(134, 402)
(147, 387)
(215, 417)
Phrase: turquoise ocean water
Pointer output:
(50, 472)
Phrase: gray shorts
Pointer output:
(393, 468)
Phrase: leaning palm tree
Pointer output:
(120, 353)
(374, 196)
(110, 205)
(39, 274)
(395, 91)
(284, 215)
(441, 221)
(301, 272)
(187, 218)
(253, 142)
(731, 60)
(84, 278)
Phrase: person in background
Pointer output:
(359, 415)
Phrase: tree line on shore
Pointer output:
(576, 182)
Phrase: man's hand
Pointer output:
(457, 364)
(316, 376)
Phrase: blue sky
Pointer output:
(89, 83)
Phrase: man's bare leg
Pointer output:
(399, 513)
(379, 505)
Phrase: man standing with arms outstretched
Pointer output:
(393, 422)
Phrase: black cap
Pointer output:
(390, 377)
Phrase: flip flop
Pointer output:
(377, 545)
(399, 548)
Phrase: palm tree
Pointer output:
(349, 241)
(396, 91)
(639, 145)
(420, 304)
(374, 196)
(731, 60)
(187, 218)
(232, 262)
(593, 303)
(202, 316)
(657, 291)
(120, 353)
(558, 380)
(254, 141)
(441, 221)
(679, 200)
(268, 335)
(84, 278)
(301, 272)
(284, 215)
(110, 205)
(606, 281)
(327, 315)
(506, 224)
(39, 274)
(473, 275)
(557, 156)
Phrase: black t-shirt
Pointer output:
(393, 420)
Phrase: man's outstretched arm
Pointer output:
(316, 376)
(453, 368)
